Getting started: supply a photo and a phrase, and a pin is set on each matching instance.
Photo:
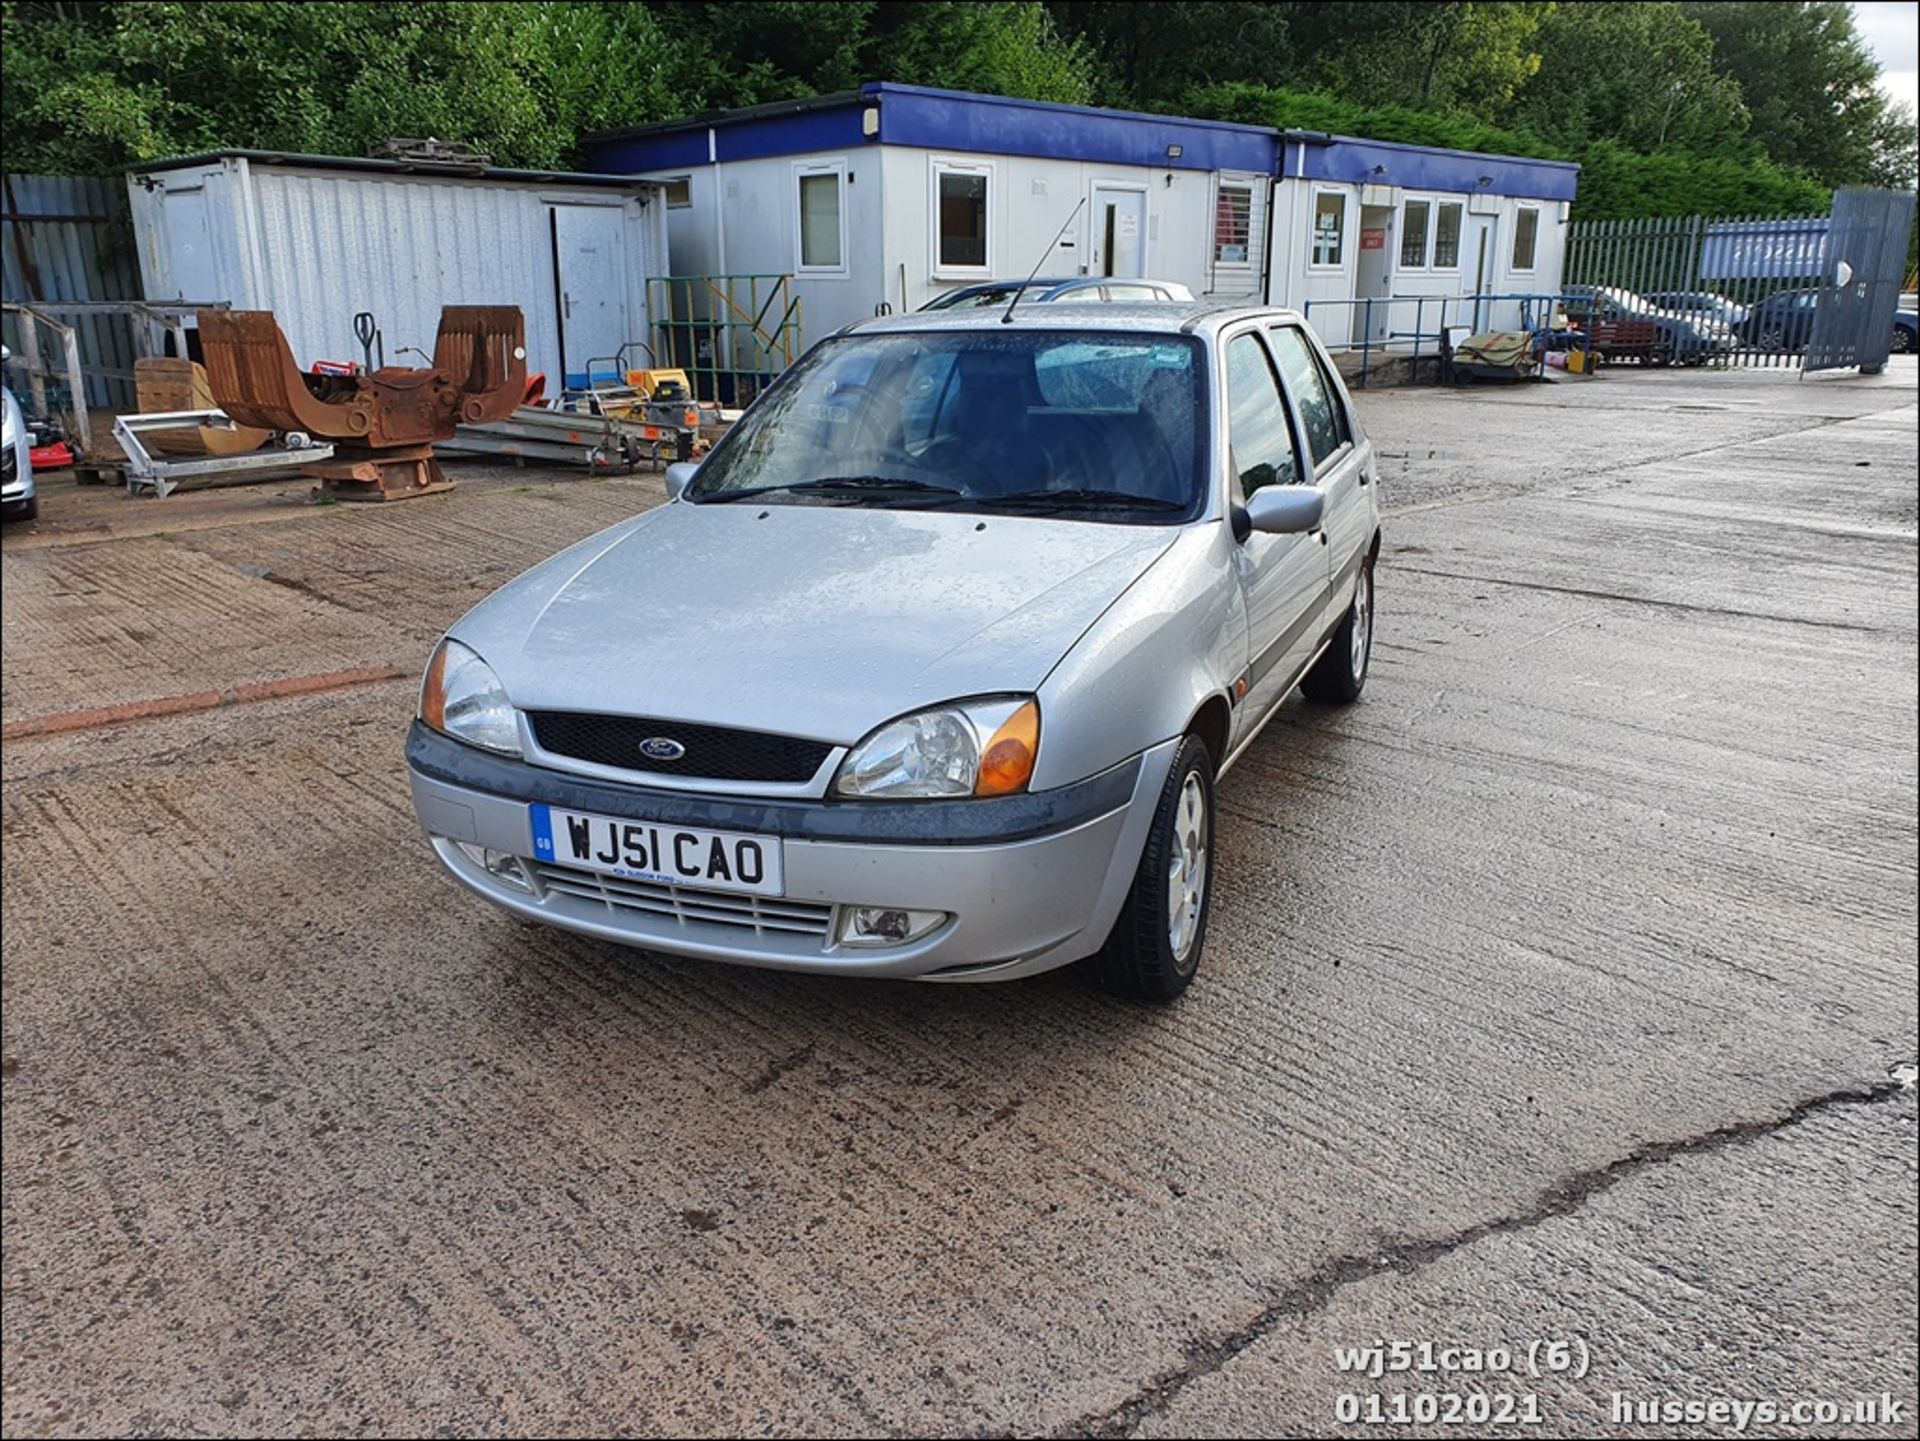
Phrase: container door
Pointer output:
(589, 276)
(190, 263)
(1119, 232)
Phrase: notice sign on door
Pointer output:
(1374, 238)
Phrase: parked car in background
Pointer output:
(1906, 330)
(1077, 288)
(1626, 325)
(17, 497)
(1701, 302)
(929, 669)
(1782, 321)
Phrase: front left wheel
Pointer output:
(1155, 945)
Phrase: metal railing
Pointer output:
(1403, 331)
(732, 334)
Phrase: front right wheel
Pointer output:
(1154, 947)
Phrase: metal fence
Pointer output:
(1702, 289)
(68, 238)
(732, 334)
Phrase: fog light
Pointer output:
(501, 865)
(885, 925)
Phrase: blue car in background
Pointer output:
(1906, 330)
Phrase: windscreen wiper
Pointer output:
(1079, 498)
(845, 485)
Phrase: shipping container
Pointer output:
(319, 239)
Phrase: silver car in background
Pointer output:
(930, 668)
(18, 499)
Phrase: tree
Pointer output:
(92, 87)
(1638, 74)
(1808, 80)
(1444, 54)
(1147, 57)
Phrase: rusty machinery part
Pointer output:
(478, 375)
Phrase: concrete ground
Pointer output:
(1563, 991)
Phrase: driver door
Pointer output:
(1283, 577)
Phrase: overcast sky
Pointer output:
(1893, 32)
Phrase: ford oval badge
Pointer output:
(660, 748)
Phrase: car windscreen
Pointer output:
(1106, 425)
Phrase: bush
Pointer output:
(1615, 183)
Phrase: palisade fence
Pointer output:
(1745, 287)
(67, 237)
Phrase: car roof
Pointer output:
(1173, 317)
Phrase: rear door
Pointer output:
(1283, 577)
(1340, 455)
(1119, 231)
(589, 266)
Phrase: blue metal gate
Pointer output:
(1866, 254)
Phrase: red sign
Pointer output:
(1374, 238)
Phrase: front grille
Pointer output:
(713, 753)
(760, 914)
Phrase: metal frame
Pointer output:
(150, 319)
(163, 477)
(746, 346)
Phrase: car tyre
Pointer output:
(1902, 341)
(1154, 948)
(28, 509)
(1340, 674)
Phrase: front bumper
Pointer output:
(1029, 882)
(16, 475)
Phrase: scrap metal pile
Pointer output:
(381, 423)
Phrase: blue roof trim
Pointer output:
(1423, 167)
(996, 125)
(953, 120)
(835, 128)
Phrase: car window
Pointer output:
(1133, 292)
(975, 418)
(1258, 431)
(1321, 413)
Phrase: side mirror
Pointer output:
(679, 476)
(1285, 509)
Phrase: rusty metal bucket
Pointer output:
(383, 423)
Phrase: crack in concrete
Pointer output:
(1679, 605)
(1205, 1355)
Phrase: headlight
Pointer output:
(970, 748)
(463, 698)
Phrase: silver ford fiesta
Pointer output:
(930, 669)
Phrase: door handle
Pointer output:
(1365, 479)
(566, 305)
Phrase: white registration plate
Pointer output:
(648, 851)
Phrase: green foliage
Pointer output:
(1808, 80)
(1639, 74)
(1620, 184)
(1444, 53)
(91, 88)
(1150, 56)
(1615, 182)
(1724, 105)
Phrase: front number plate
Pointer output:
(667, 855)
